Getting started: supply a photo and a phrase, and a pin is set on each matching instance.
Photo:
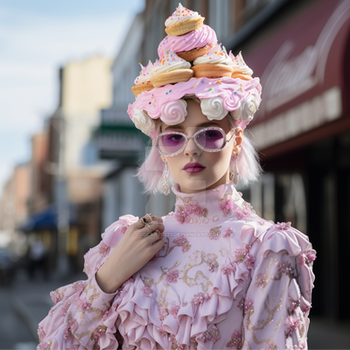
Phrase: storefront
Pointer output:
(303, 133)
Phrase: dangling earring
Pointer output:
(164, 180)
(234, 173)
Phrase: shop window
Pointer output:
(279, 197)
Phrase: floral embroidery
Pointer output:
(163, 313)
(175, 344)
(123, 229)
(241, 304)
(147, 291)
(184, 213)
(98, 332)
(286, 267)
(78, 286)
(81, 302)
(200, 298)
(295, 347)
(183, 242)
(283, 225)
(307, 258)
(245, 305)
(41, 333)
(103, 249)
(236, 340)
(262, 281)
(228, 233)
(172, 276)
(291, 325)
(70, 326)
(45, 345)
(212, 264)
(65, 308)
(174, 310)
(162, 331)
(226, 207)
(211, 334)
(67, 335)
(248, 305)
(243, 214)
(57, 295)
(243, 256)
(214, 232)
(107, 314)
(271, 346)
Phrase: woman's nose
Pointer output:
(192, 149)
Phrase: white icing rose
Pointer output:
(174, 112)
(213, 108)
(249, 107)
(142, 121)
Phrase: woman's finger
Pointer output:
(149, 228)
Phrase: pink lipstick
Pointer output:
(193, 168)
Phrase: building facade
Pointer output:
(302, 130)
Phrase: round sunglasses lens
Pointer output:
(170, 143)
(210, 139)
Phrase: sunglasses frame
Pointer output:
(194, 139)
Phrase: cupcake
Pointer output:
(191, 45)
(142, 82)
(214, 64)
(240, 69)
(183, 21)
(171, 69)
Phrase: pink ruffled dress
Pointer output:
(225, 279)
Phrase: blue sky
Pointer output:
(36, 38)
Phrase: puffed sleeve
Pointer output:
(84, 317)
(278, 299)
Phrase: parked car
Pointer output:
(7, 267)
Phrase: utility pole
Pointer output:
(61, 200)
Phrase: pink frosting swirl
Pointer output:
(174, 112)
(195, 39)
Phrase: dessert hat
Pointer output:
(191, 62)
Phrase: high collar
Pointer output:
(206, 206)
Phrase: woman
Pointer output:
(211, 275)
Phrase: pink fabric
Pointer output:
(226, 279)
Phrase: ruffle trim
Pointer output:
(142, 323)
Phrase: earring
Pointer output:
(234, 173)
(164, 180)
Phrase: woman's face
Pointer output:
(212, 168)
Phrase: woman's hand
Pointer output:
(140, 243)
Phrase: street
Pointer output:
(25, 303)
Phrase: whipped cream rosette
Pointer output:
(240, 69)
(183, 21)
(170, 69)
(214, 64)
(142, 121)
(142, 82)
(191, 45)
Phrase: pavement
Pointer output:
(26, 302)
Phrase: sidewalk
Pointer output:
(32, 302)
(31, 299)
